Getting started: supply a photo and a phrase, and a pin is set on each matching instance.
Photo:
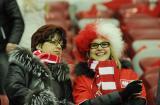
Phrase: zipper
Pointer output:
(3, 34)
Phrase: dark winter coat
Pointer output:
(26, 74)
(11, 23)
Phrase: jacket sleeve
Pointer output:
(108, 99)
(16, 85)
(82, 94)
(13, 11)
(3, 71)
(136, 101)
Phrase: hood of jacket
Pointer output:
(29, 62)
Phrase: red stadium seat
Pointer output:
(150, 80)
(150, 63)
(148, 52)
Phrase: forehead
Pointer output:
(100, 39)
(55, 37)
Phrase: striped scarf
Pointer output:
(106, 78)
(46, 57)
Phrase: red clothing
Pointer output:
(83, 89)
(116, 4)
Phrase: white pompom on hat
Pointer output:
(113, 34)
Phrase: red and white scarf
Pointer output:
(106, 78)
(46, 57)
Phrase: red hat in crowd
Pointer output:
(99, 28)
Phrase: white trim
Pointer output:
(125, 82)
(108, 85)
(3, 33)
(106, 70)
(94, 64)
(48, 61)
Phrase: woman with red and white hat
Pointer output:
(100, 78)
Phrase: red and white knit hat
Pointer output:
(99, 28)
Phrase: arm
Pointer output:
(3, 72)
(4, 100)
(16, 24)
(16, 84)
(108, 99)
(136, 101)
(12, 10)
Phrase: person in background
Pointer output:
(11, 30)
(43, 70)
(100, 78)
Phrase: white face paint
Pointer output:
(100, 49)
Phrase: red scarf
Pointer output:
(106, 78)
(47, 58)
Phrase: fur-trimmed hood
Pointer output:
(25, 59)
(82, 69)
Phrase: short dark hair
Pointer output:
(45, 32)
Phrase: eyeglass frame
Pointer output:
(107, 44)
(55, 42)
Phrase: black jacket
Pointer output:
(11, 23)
(26, 74)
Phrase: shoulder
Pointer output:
(21, 56)
(24, 58)
(128, 73)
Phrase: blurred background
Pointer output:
(139, 21)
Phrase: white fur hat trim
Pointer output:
(113, 34)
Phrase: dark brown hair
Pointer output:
(46, 31)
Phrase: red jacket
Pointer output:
(82, 87)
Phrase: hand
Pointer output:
(4, 100)
(133, 88)
(10, 47)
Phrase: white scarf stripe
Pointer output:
(108, 85)
(106, 70)
(49, 61)
(93, 65)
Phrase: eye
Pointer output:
(94, 45)
(105, 44)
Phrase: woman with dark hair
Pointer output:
(100, 78)
(41, 71)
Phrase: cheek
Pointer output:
(107, 50)
(92, 53)
(47, 48)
